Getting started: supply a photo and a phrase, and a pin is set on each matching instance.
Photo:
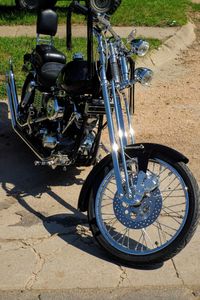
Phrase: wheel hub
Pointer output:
(139, 217)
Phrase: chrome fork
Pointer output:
(123, 186)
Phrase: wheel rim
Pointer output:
(102, 6)
(166, 208)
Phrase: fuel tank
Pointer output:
(74, 79)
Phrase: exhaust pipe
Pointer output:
(12, 96)
(14, 110)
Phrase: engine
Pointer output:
(57, 121)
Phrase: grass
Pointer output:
(195, 7)
(131, 12)
(17, 47)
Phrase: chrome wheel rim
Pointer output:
(170, 199)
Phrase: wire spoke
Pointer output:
(136, 247)
(174, 218)
(174, 190)
(148, 237)
(162, 231)
(173, 211)
(167, 226)
(105, 205)
(161, 171)
(109, 191)
(174, 205)
(109, 198)
(167, 176)
(143, 235)
(111, 225)
(107, 214)
(170, 193)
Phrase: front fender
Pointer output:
(147, 150)
(154, 150)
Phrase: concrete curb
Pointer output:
(180, 41)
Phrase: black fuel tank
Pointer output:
(74, 79)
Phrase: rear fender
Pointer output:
(144, 151)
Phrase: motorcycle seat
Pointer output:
(48, 73)
(47, 53)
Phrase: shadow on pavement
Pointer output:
(17, 170)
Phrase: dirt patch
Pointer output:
(169, 111)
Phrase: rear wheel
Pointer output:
(159, 227)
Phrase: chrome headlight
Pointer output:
(140, 47)
(143, 76)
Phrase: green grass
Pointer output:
(195, 6)
(15, 48)
(131, 12)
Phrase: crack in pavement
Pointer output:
(19, 215)
(123, 276)
(40, 239)
(40, 261)
(177, 272)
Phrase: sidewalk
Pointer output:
(80, 31)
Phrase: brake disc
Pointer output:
(142, 216)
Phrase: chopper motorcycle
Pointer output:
(142, 200)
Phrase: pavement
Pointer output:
(46, 248)
(45, 243)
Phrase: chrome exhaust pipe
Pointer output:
(12, 96)
(13, 118)
(14, 110)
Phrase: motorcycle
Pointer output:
(142, 200)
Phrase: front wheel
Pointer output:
(158, 228)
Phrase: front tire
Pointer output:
(157, 230)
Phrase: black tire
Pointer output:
(106, 6)
(171, 249)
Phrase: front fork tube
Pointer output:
(112, 136)
(111, 130)
(121, 133)
(131, 131)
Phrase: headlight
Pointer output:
(143, 76)
(140, 47)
